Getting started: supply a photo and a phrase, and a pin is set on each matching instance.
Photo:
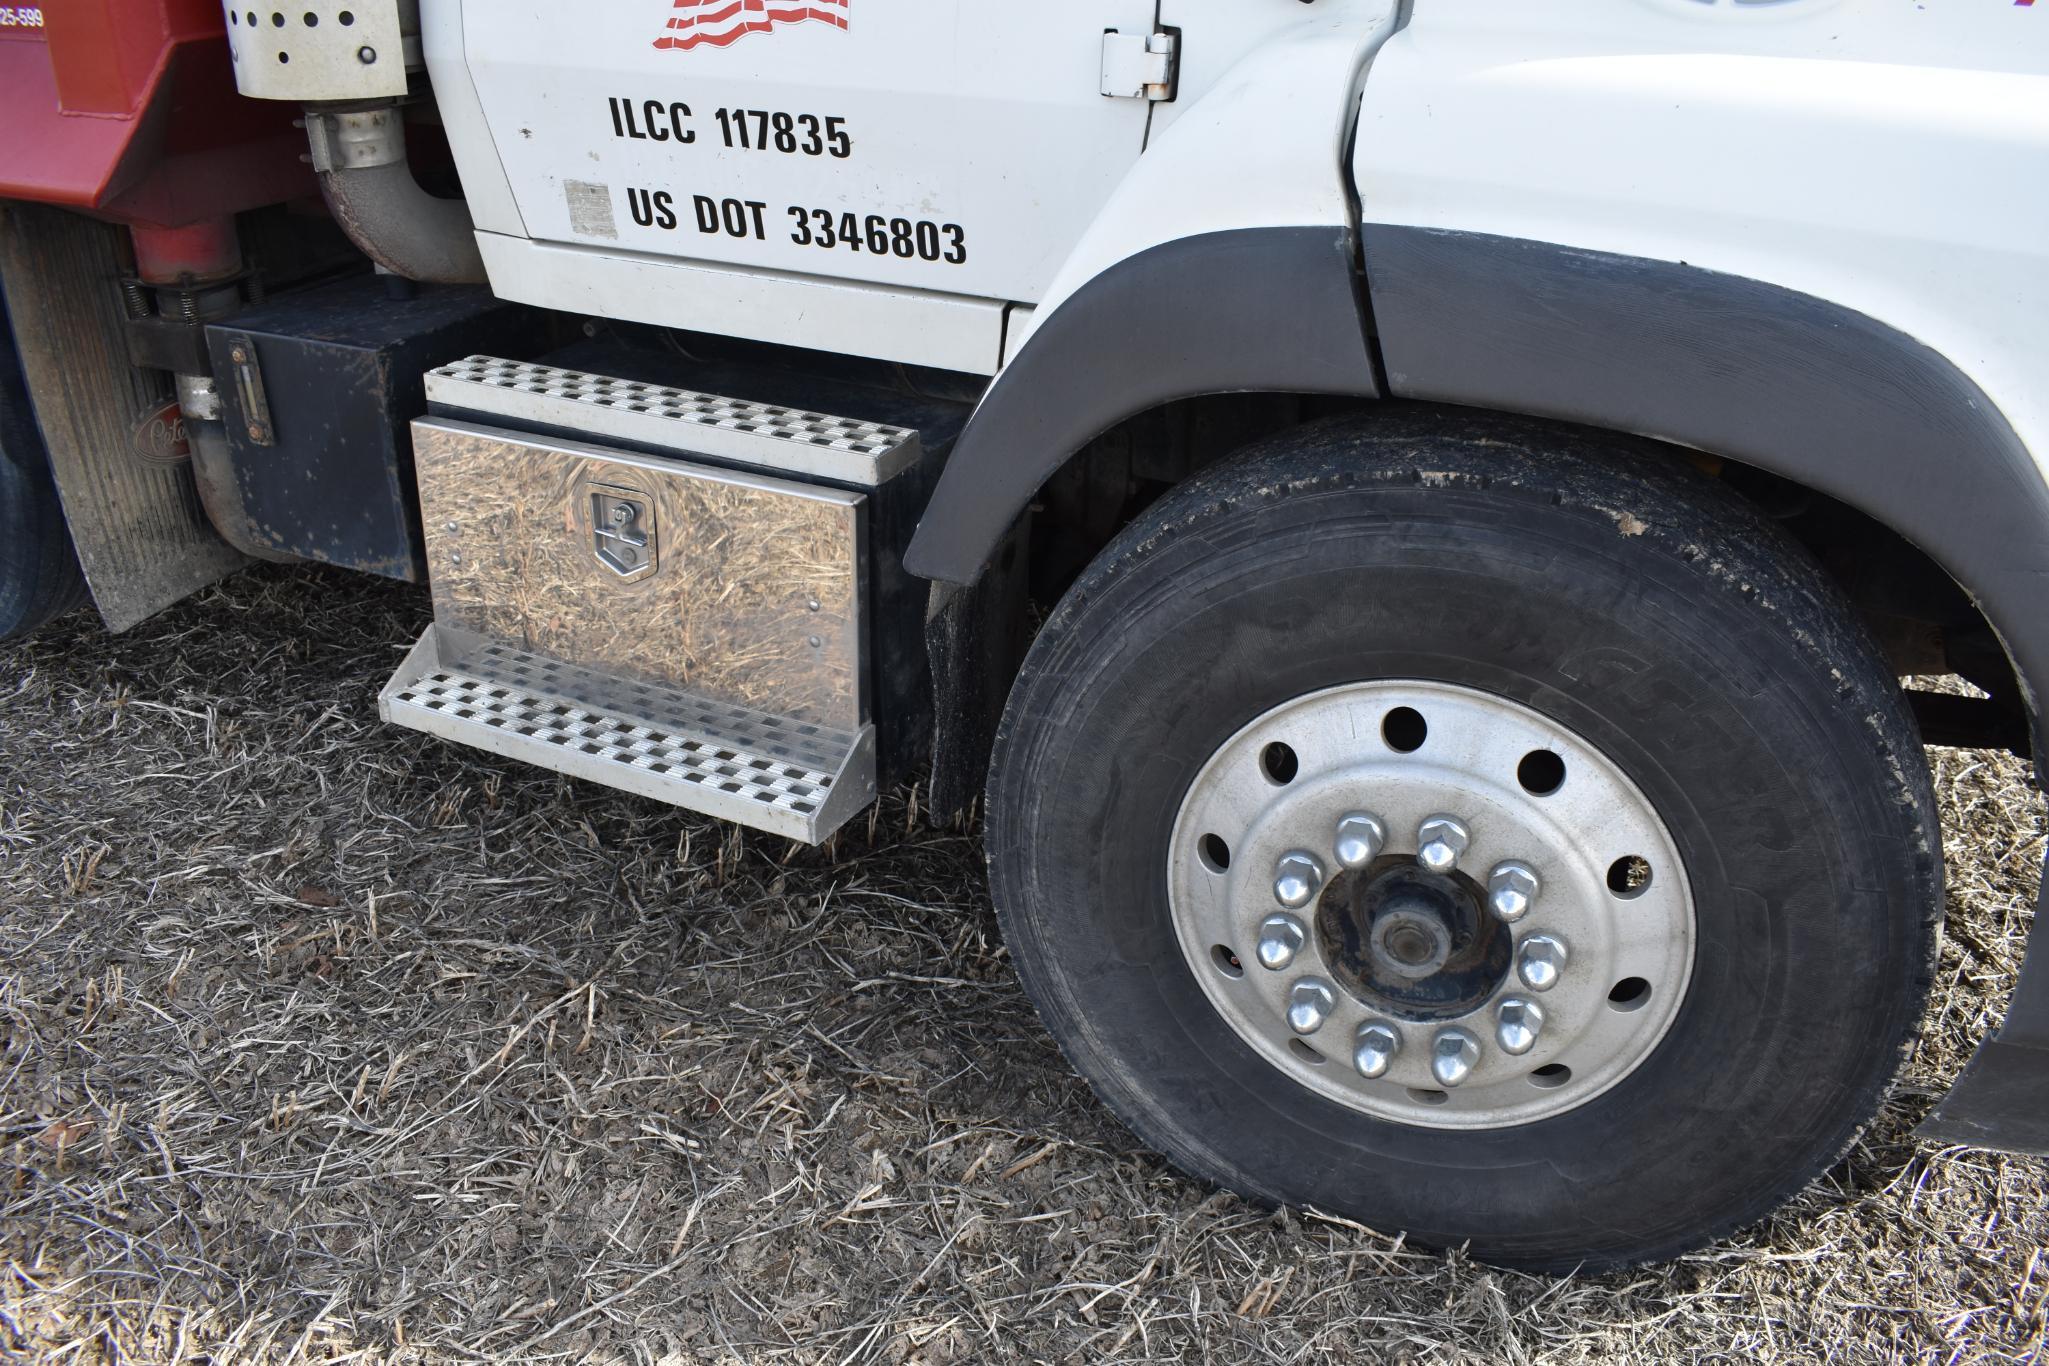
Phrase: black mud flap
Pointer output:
(2002, 1099)
(126, 486)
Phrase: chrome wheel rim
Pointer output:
(1431, 904)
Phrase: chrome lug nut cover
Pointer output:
(1309, 1004)
(1453, 1055)
(1516, 1023)
(1361, 836)
(1374, 1047)
(1297, 879)
(1439, 842)
(1511, 887)
(1541, 961)
(1280, 938)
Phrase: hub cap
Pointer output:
(1431, 904)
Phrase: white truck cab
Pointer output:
(1415, 519)
(910, 182)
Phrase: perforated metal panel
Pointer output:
(313, 50)
(787, 440)
(791, 779)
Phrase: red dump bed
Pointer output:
(128, 108)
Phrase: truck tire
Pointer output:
(1488, 831)
(39, 574)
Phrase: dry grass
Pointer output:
(325, 1040)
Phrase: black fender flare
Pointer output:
(1246, 310)
(1796, 385)
(1790, 383)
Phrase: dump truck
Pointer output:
(1415, 524)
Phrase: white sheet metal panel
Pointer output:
(1887, 156)
(911, 326)
(484, 186)
(966, 147)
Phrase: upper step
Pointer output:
(789, 441)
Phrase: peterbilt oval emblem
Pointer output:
(159, 435)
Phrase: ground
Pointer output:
(320, 1039)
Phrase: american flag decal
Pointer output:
(717, 23)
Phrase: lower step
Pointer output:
(786, 777)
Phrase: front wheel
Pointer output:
(1492, 835)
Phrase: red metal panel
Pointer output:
(128, 108)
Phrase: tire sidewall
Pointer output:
(1262, 587)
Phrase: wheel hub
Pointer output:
(1417, 944)
(1411, 942)
(1460, 914)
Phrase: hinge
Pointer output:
(247, 375)
(1141, 66)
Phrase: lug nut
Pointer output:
(1516, 1023)
(1280, 939)
(1453, 1055)
(1309, 1005)
(1360, 837)
(1297, 876)
(1374, 1047)
(1541, 961)
(1439, 842)
(1511, 887)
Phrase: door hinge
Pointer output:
(1141, 66)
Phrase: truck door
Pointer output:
(954, 145)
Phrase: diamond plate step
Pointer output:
(787, 777)
(790, 441)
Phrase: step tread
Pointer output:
(786, 439)
(768, 772)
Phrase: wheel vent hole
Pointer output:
(1278, 762)
(1214, 853)
(1551, 1075)
(1631, 993)
(1306, 1053)
(1405, 730)
(1629, 876)
(1226, 959)
(1541, 773)
(1427, 1097)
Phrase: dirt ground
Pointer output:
(320, 1040)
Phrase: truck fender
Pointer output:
(1793, 384)
(1225, 262)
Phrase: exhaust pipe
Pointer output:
(360, 155)
(352, 79)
